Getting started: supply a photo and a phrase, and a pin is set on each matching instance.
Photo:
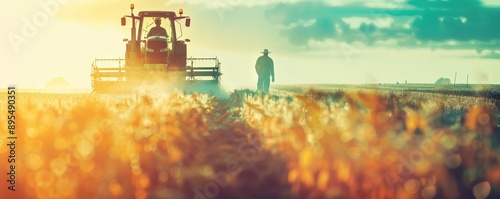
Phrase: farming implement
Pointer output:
(156, 59)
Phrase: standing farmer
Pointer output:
(265, 69)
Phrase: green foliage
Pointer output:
(443, 81)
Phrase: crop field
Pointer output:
(289, 144)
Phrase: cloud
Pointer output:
(237, 3)
(448, 4)
(322, 29)
(420, 20)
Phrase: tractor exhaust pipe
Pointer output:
(132, 49)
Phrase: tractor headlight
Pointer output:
(149, 50)
(164, 50)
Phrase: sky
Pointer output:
(311, 41)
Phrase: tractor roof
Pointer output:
(168, 14)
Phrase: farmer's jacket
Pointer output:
(264, 66)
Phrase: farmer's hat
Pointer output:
(265, 51)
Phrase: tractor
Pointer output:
(156, 59)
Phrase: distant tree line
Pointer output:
(443, 81)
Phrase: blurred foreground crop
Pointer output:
(311, 145)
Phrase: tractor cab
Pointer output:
(155, 40)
